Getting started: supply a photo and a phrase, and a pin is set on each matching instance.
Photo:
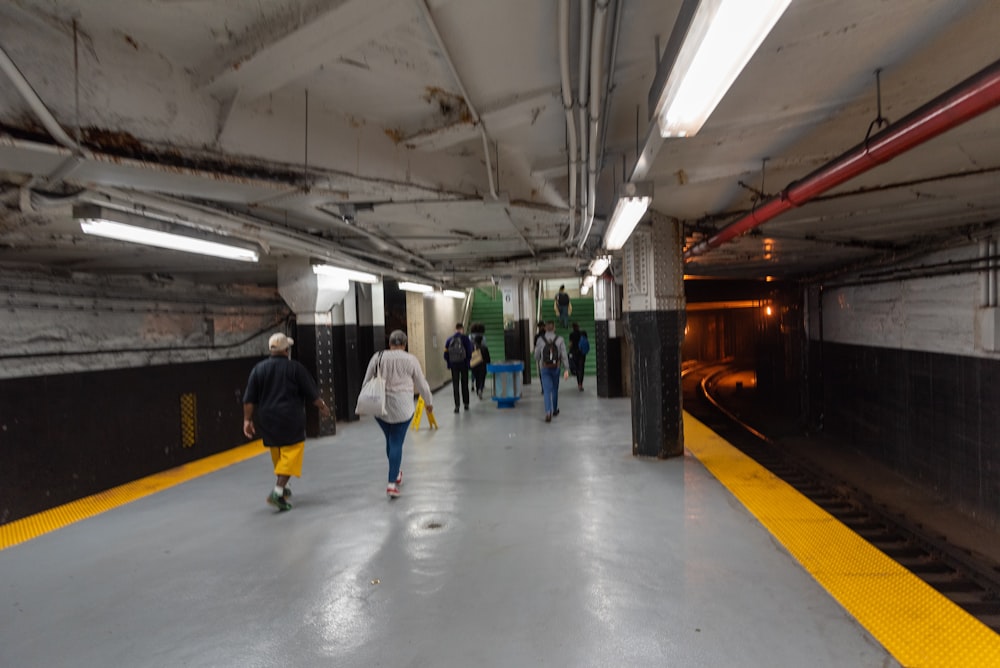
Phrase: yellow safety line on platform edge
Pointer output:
(915, 623)
(23, 530)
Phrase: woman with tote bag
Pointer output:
(401, 373)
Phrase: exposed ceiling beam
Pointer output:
(304, 50)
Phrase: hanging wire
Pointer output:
(880, 120)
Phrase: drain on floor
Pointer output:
(433, 525)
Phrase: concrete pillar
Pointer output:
(312, 299)
(517, 336)
(607, 342)
(654, 317)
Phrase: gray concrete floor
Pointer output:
(515, 543)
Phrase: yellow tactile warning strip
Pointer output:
(22, 530)
(917, 625)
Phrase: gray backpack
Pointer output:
(456, 350)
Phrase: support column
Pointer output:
(345, 335)
(516, 334)
(654, 317)
(312, 299)
(607, 341)
(371, 321)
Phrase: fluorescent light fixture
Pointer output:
(722, 37)
(349, 274)
(629, 210)
(118, 225)
(455, 294)
(415, 287)
(600, 265)
(585, 289)
(589, 281)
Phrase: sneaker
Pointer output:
(278, 501)
(399, 477)
(456, 409)
(555, 413)
(548, 417)
(466, 406)
(287, 493)
(581, 387)
(392, 489)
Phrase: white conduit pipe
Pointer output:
(596, 76)
(422, 4)
(582, 97)
(35, 102)
(567, 98)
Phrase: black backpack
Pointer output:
(550, 353)
(456, 350)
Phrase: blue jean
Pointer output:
(394, 432)
(563, 316)
(550, 388)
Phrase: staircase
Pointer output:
(488, 310)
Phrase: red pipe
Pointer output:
(974, 96)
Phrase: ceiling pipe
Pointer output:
(582, 95)
(35, 102)
(429, 18)
(567, 99)
(969, 99)
(596, 76)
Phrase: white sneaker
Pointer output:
(399, 478)
(392, 489)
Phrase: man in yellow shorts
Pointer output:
(276, 394)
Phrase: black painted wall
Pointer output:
(931, 417)
(64, 437)
(315, 349)
(655, 340)
(607, 354)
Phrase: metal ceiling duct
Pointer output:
(969, 99)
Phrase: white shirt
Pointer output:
(401, 372)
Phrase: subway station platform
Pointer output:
(515, 543)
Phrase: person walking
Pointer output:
(579, 346)
(274, 405)
(457, 353)
(539, 334)
(479, 362)
(563, 307)
(550, 353)
(402, 373)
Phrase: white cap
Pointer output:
(279, 342)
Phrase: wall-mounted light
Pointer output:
(122, 226)
(722, 37)
(599, 265)
(349, 274)
(415, 287)
(454, 294)
(633, 200)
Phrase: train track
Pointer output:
(968, 580)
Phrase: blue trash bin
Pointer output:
(506, 382)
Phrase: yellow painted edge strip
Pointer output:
(27, 528)
(915, 623)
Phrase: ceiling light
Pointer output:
(589, 280)
(722, 37)
(415, 287)
(629, 210)
(600, 265)
(585, 289)
(140, 230)
(349, 274)
(455, 294)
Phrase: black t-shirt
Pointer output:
(279, 388)
(563, 298)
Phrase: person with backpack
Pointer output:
(550, 354)
(457, 353)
